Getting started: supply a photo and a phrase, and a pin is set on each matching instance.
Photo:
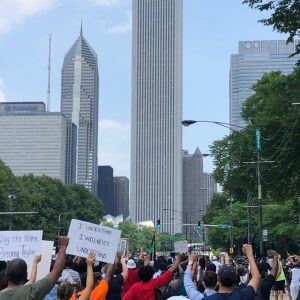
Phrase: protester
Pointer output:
(132, 276)
(100, 284)
(295, 278)
(69, 269)
(148, 286)
(216, 263)
(268, 280)
(280, 281)
(65, 289)
(118, 279)
(227, 278)
(16, 274)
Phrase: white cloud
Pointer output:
(121, 28)
(114, 146)
(15, 12)
(107, 2)
(2, 95)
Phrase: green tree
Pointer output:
(285, 16)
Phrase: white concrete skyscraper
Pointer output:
(156, 161)
(79, 103)
(255, 58)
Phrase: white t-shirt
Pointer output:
(295, 276)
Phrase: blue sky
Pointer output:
(211, 31)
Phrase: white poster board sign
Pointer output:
(43, 267)
(123, 246)
(20, 244)
(181, 246)
(87, 237)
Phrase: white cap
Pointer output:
(131, 264)
(215, 258)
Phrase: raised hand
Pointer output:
(91, 258)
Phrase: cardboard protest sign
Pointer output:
(43, 267)
(181, 246)
(87, 237)
(123, 246)
(20, 244)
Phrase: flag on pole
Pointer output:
(151, 250)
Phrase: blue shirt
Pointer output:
(191, 291)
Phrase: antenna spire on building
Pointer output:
(81, 28)
(49, 73)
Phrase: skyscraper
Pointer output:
(210, 187)
(192, 188)
(79, 103)
(33, 141)
(255, 58)
(106, 189)
(121, 195)
(156, 161)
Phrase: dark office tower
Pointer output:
(79, 103)
(192, 187)
(121, 196)
(106, 189)
(156, 164)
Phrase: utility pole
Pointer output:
(231, 223)
(249, 204)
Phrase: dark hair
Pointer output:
(64, 290)
(119, 269)
(16, 271)
(210, 279)
(202, 262)
(139, 263)
(69, 262)
(211, 267)
(160, 264)
(227, 275)
(3, 265)
(146, 273)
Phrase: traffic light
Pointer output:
(199, 224)
(158, 224)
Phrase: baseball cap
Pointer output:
(227, 275)
(131, 264)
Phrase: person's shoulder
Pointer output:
(247, 291)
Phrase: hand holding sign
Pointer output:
(86, 237)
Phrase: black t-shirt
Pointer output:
(115, 288)
(246, 293)
(265, 288)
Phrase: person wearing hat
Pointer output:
(216, 263)
(132, 276)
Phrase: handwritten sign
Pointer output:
(20, 244)
(43, 267)
(181, 246)
(87, 237)
(123, 246)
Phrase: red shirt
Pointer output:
(131, 280)
(146, 290)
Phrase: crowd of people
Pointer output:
(180, 277)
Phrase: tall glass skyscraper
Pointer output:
(255, 58)
(79, 103)
(156, 161)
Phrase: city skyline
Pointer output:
(107, 26)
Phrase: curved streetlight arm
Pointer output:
(223, 124)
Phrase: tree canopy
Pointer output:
(55, 203)
(285, 16)
(270, 108)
